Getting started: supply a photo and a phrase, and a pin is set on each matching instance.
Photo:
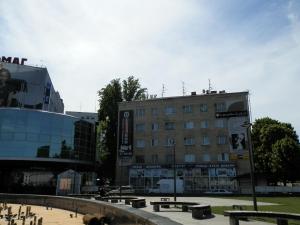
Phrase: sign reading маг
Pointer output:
(126, 133)
(14, 60)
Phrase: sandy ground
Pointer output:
(50, 217)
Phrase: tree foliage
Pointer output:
(109, 97)
(276, 148)
(132, 90)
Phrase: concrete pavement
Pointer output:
(185, 218)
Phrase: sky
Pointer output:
(239, 45)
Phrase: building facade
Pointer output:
(38, 141)
(28, 87)
(87, 116)
(200, 135)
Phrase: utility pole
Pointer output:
(248, 127)
(174, 170)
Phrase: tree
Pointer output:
(276, 146)
(132, 90)
(108, 120)
(109, 97)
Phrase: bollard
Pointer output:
(19, 212)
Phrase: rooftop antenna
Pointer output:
(209, 85)
(183, 88)
(163, 90)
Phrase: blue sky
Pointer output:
(238, 44)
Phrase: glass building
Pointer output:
(37, 135)
(43, 144)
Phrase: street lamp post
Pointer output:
(248, 126)
(174, 169)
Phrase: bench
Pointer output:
(165, 200)
(157, 204)
(239, 207)
(282, 218)
(138, 203)
(200, 211)
(115, 199)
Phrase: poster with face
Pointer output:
(238, 142)
(9, 88)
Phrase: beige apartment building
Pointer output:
(201, 136)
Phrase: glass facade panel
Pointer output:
(36, 134)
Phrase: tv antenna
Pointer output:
(163, 90)
(183, 88)
(209, 85)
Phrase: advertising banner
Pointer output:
(24, 87)
(126, 133)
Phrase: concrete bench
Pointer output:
(239, 207)
(281, 218)
(165, 200)
(138, 203)
(157, 204)
(115, 199)
(200, 211)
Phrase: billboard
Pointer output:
(126, 133)
(25, 87)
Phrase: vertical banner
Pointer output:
(126, 133)
(47, 93)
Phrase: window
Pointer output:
(169, 126)
(170, 110)
(189, 158)
(140, 127)
(188, 125)
(140, 143)
(154, 158)
(154, 112)
(219, 123)
(204, 124)
(221, 140)
(140, 159)
(154, 126)
(169, 158)
(205, 140)
(187, 108)
(189, 141)
(220, 107)
(206, 157)
(169, 141)
(154, 142)
(223, 157)
(140, 112)
(203, 107)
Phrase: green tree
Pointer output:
(276, 146)
(109, 97)
(132, 90)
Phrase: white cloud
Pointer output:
(85, 44)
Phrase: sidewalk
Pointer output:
(185, 218)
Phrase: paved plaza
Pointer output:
(185, 218)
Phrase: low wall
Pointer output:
(121, 213)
